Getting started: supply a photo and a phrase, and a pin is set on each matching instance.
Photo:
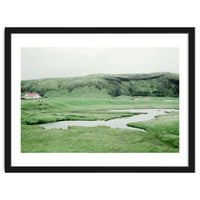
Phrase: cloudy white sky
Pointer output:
(41, 62)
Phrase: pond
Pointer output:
(113, 123)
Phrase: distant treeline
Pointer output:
(102, 85)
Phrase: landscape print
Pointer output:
(100, 100)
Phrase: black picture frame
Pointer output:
(102, 30)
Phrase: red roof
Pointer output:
(31, 95)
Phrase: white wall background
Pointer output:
(90, 13)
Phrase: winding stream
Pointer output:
(113, 123)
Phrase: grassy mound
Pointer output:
(165, 128)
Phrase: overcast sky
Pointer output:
(41, 62)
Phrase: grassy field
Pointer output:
(164, 128)
(162, 133)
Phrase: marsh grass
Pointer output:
(165, 128)
(99, 139)
(59, 109)
(162, 133)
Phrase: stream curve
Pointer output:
(113, 123)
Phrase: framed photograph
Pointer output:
(100, 99)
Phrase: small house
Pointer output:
(31, 96)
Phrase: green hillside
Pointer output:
(106, 85)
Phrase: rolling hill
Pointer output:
(105, 85)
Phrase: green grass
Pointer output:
(51, 110)
(57, 109)
(165, 128)
(99, 139)
(161, 136)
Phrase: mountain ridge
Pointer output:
(111, 85)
